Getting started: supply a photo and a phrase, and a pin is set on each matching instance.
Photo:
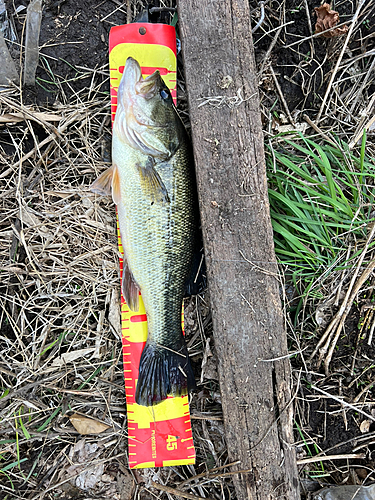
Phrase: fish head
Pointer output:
(146, 117)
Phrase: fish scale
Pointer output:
(158, 238)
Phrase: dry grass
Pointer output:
(60, 343)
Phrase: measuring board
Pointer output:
(158, 435)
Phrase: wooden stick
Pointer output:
(241, 264)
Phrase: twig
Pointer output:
(210, 471)
(280, 92)
(328, 334)
(48, 139)
(370, 337)
(290, 354)
(269, 50)
(261, 19)
(348, 456)
(175, 491)
(128, 11)
(310, 28)
(316, 35)
(223, 100)
(261, 269)
(359, 92)
(195, 416)
(357, 137)
(91, 464)
(333, 76)
(363, 391)
(356, 289)
(344, 403)
(320, 131)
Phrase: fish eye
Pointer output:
(164, 94)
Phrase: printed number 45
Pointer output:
(171, 443)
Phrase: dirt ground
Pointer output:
(51, 300)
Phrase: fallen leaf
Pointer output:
(81, 473)
(81, 452)
(68, 357)
(89, 477)
(125, 485)
(320, 317)
(326, 19)
(31, 220)
(87, 425)
(365, 426)
(362, 473)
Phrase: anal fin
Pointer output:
(152, 183)
(130, 289)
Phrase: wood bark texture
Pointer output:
(241, 265)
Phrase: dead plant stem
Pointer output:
(333, 76)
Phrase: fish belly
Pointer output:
(157, 238)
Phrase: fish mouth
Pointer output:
(149, 86)
(135, 83)
(132, 73)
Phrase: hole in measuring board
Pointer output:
(142, 30)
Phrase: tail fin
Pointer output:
(163, 372)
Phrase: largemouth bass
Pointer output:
(152, 184)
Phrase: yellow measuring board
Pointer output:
(159, 435)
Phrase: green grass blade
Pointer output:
(362, 157)
(49, 419)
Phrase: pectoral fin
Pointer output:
(152, 183)
(108, 183)
(130, 289)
